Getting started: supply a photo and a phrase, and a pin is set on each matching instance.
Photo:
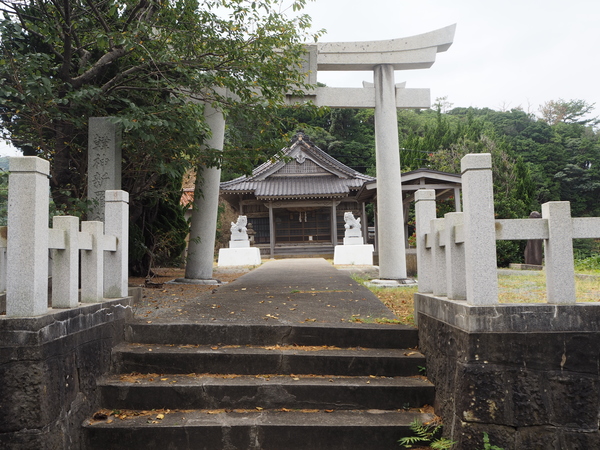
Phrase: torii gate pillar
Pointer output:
(201, 248)
(392, 258)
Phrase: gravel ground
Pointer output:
(156, 293)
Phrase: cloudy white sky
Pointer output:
(506, 54)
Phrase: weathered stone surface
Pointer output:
(48, 370)
(544, 437)
(527, 390)
(470, 436)
(104, 162)
(27, 240)
(515, 318)
(479, 228)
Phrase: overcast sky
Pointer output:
(506, 54)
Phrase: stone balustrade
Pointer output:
(457, 253)
(100, 249)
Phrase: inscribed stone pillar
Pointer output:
(392, 253)
(201, 248)
(27, 243)
(104, 163)
(479, 229)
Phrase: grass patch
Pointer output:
(522, 287)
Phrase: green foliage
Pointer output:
(572, 111)
(589, 264)
(513, 187)
(157, 237)
(426, 434)
(346, 134)
(487, 445)
(151, 65)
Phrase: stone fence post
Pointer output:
(479, 229)
(3, 232)
(65, 268)
(456, 288)
(424, 213)
(438, 256)
(27, 240)
(92, 263)
(558, 249)
(116, 262)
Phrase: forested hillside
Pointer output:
(548, 156)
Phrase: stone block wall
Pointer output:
(48, 370)
(528, 389)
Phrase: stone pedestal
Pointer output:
(354, 240)
(361, 255)
(239, 256)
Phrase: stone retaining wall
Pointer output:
(524, 374)
(48, 370)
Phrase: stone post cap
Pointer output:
(562, 206)
(425, 194)
(116, 196)
(476, 161)
(28, 164)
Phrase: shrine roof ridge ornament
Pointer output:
(413, 52)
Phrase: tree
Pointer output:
(151, 64)
(572, 111)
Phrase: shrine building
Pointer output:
(296, 203)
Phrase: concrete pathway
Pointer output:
(287, 291)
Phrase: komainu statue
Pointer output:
(239, 232)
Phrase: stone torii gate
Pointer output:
(383, 58)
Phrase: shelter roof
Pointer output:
(302, 171)
(442, 182)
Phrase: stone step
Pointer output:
(261, 430)
(153, 391)
(249, 360)
(342, 335)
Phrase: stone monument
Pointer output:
(104, 163)
(239, 252)
(354, 251)
(533, 250)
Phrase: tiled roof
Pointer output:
(305, 187)
(324, 177)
